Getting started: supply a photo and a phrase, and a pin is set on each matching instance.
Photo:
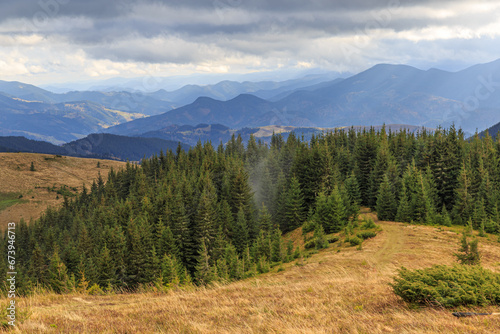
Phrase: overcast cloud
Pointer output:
(67, 40)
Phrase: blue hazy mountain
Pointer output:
(391, 94)
(103, 146)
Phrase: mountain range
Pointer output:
(383, 94)
(392, 94)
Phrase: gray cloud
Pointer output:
(341, 34)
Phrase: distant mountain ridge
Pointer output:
(102, 146)
(56, 123)
(123, 101)
(391, 94)
(493, 131)
(27, 110)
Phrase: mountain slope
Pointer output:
(56, 123)
(22, 144)
(51, 172)
(242, 111)
(124, 101)
(402, 94)
(493, 131)
(390, 94)
(120, 147)
(100, 146)
(226, 90)
(335, 291)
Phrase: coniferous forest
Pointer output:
(218, 214)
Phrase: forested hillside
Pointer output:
(218, 214)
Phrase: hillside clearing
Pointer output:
(331, 292)
(50, 171)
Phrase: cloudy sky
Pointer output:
(46, 41)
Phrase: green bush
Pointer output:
(310, 244)
(355, 241)
(332, 239)
(368, 224)
(308, 226)
(366, 235)
(448, 286)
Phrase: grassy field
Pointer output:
(339, 290)
(9, 199)
(53, 177)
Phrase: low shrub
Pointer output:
(355, 241)
(448, 286)
(332, 239)
(368, 224)
(366, 235)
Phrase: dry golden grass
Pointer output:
(331, 292)
(16, 177)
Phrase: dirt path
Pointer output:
(390, 241)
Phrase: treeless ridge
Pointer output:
(331, 292)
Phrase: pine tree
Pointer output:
(382, 163)
(276, 246)
(107, 270)
(204, 273)
(462, 210)
(57, 274)
(265, 222)
(403, 213)
(468, 252)
(386, 203)
(295, 210)
(337, 214)
(38, 267)
(240, 237)
(206, 218)
(352, 189)
(169, 270)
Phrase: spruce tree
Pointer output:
(403, 213)
(336, 213)
(240, 237)
(107, 270)
(468, 252)
(204, 273)
(462, 210)
(57, 274)
(386, 203)
(295, 210)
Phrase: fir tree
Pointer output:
(468, 252)
(295, 210)
(386, 203)
(57, 274)
(336, 213)
(403, 213)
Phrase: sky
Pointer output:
(54, 41)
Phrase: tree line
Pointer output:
(218, 214)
